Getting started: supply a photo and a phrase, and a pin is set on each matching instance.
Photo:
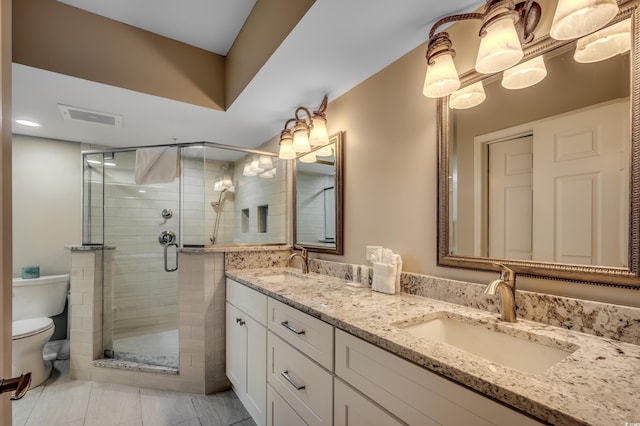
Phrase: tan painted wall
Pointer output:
(53, 36)
(391, 178)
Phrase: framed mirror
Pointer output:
(546, 179)
(318, 198)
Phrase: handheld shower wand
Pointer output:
(218, 204)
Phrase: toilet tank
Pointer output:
(39, 297)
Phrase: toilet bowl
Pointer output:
(28, 339)
(34, 302)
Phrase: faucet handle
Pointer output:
(506, 274)
(302, 249)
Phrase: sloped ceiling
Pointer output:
(334, 46)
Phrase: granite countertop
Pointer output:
(597, 384)
(232, 248)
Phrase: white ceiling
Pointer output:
(335, 46)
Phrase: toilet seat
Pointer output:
(30, 327)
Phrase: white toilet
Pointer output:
(34, 302)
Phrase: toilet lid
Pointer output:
(29, 327)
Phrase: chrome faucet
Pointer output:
(303, 258)
(507, 286)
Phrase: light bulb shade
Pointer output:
(268, 174)
(217, 186)
(604, 44)
(301, 137)
(468, 97)
(525, 74)
(319, 135)
(265, 163)
(255, 167)
(325, 151)
(576, 18)
(286, 147)
(247, 169)
(226, 182)
(499, 48)
(441, 78)
(308, 158)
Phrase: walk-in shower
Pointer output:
(203, 202)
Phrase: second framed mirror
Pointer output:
(318, 198)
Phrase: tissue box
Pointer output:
(30, 272)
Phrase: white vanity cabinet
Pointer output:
(289, 368)
(246, 338)
(300, 363)
(352, 409)
(414, 394)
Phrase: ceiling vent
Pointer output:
(90, 116)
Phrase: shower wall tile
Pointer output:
(201, 337)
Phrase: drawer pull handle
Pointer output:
(240, 321)
(286, 325)
(285, 374)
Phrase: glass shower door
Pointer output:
(140, 318)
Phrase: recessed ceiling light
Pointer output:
(28, 123)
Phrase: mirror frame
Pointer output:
(338, 139)
(625, 277)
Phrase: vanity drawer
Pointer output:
(247, 300)
(303, 384)
(353, 409)
(414, 394)
(278, 411)
(309, 335)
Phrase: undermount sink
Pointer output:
(526, 356)
(282, 277)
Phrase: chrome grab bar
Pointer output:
(286, 325)
(166, 250)
(285, 374)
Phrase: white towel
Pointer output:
(156, 165)
(384, 278)
(387, 268)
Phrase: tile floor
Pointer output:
(64, 402)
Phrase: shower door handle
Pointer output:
(166, 253)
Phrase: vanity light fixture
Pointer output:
(246, 171)
(577, 18)
(604, 44)
(265, 163)
(467, 97)
(309, 158)
(505, 26)
(268, 174)
(309, 131)
(255, 166)
(286, 142)
(525, 74)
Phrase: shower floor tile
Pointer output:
(62, 401)
(155, 348)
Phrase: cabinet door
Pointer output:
(247, 361)
(256, 384)
(278, 411)
(353, 409)
(236, 348)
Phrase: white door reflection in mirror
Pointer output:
(572, 207)
(510, 198)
